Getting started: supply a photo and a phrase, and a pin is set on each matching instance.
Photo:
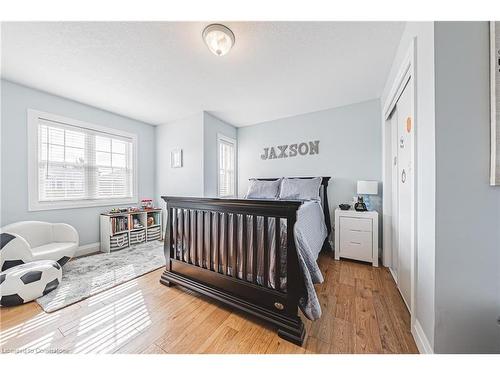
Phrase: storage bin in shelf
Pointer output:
(118, 242)
(154, 233)
(154, 238)
(137, 236)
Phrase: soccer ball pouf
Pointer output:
(24, 283)
(14, 250)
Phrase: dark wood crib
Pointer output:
(189, 244)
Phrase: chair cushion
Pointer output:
(54, 251)
(24, 283)
(37, 233)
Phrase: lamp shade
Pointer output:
(367, 187)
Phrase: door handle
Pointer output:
(403, 176)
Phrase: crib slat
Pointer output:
(209, 261)
(266, 253)
(225, 250)
(192, 241)
(181, 233)
(169, 232)
(255, 246)
(195, 238)
(176, 231)
(185, 233)
(277, 253)
(202, 239)
(292, 262)
(188, 236)
(173, 241)
(244, 246)
(235, 245)
(218, 218)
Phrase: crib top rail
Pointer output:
(259, 207)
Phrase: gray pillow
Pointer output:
(300, 188)
(259, 189)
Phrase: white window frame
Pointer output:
(222, 137)
(34, 204)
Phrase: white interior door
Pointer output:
(394, 196)
(404, 206)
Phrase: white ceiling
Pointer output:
(158, 72)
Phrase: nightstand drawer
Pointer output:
(355, 224)
(356, 245)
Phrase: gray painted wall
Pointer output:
(16, 99)
(467, 208)
(350, 149)
(423, 32)
(197, 137)
(186, 134)
(211, 127)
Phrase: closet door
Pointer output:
(405, 173)
(394, 196)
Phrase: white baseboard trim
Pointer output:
(88, 249)
(393, 275)
(423, 344)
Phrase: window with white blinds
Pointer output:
(226, 166)
(79, 164)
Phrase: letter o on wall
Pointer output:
(303, 148)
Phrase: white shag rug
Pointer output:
(87, 276)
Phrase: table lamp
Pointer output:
(365, 189)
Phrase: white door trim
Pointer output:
(406, 74)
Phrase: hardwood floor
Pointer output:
(362, 313)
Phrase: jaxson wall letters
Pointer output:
(290, 151)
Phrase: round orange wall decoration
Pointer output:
(408, 124)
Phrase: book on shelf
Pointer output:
(119, 224)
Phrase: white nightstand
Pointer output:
(356, 235)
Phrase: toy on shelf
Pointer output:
(151, 221)
(147, 204)
(117, 210)
(137, 223)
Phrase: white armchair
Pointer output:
(28, 241)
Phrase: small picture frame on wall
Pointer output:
(495, 102)
(176, 158)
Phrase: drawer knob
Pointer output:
(279, 305)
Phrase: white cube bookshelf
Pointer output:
(121, 230)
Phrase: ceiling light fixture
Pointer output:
(218, 38)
